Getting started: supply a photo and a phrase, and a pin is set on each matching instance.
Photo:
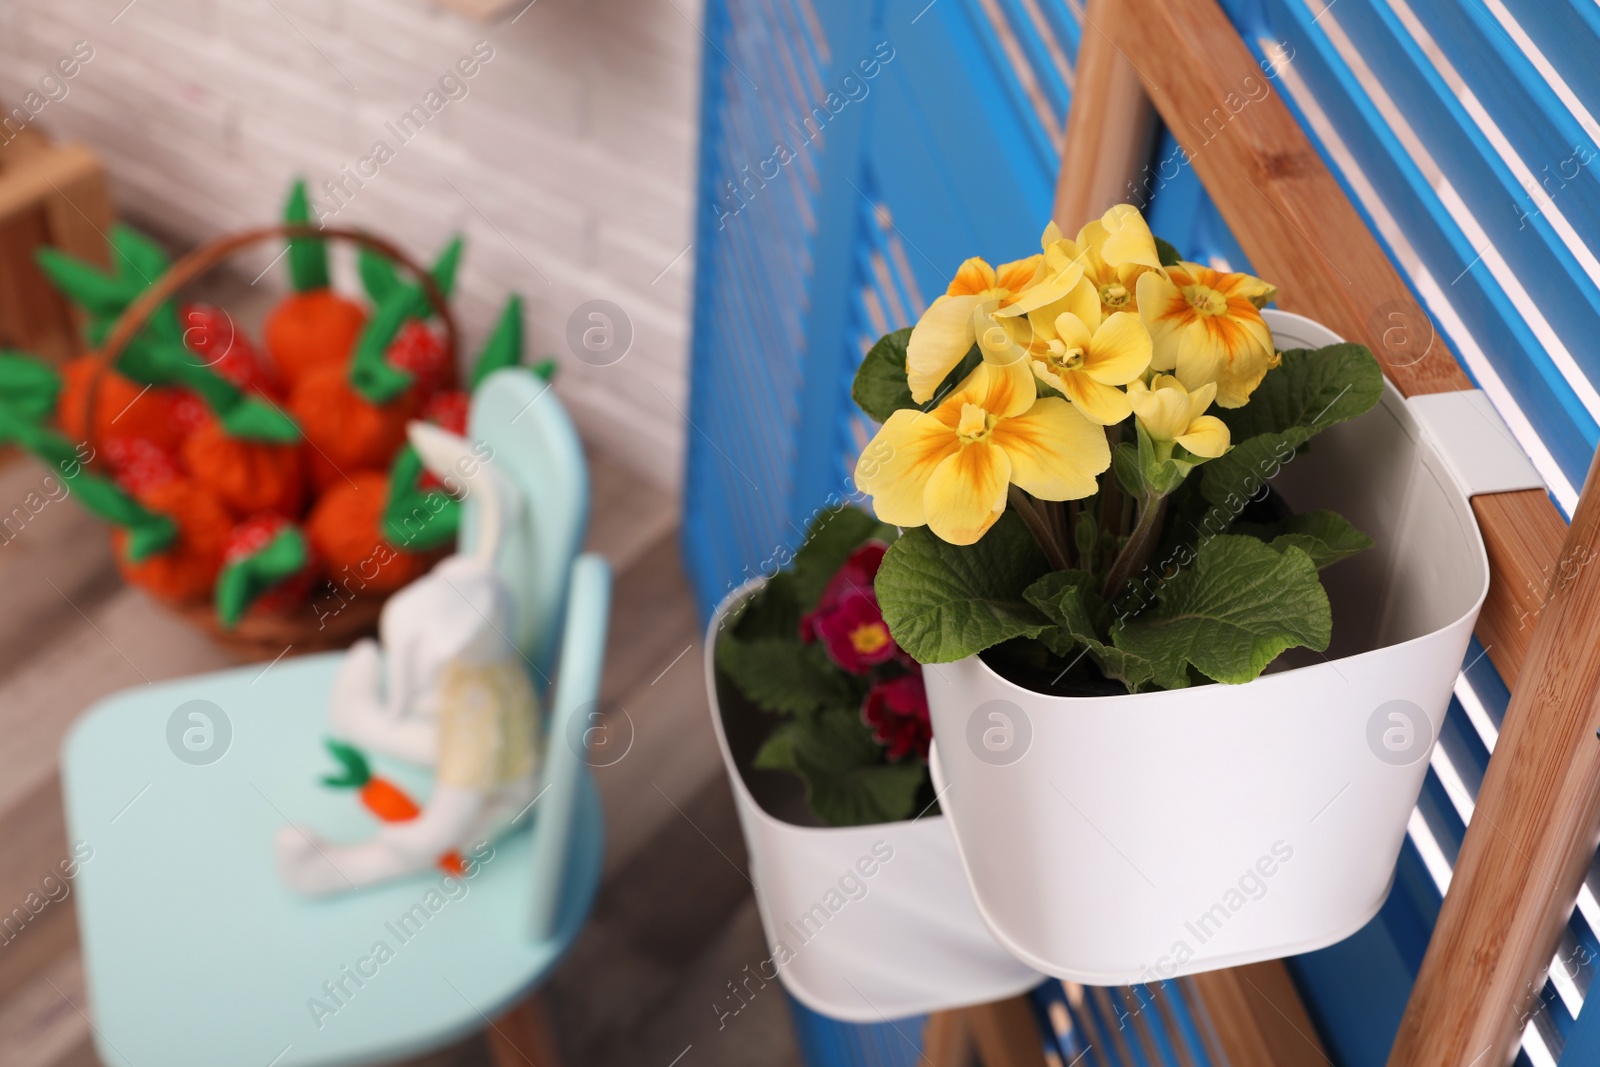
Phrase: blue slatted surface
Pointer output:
(1465, 132)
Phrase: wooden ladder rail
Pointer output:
(1537, 819)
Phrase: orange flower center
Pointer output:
(1205, 300)
(1115, 295)
(975, 424)
(869, 638)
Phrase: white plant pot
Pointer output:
(903, 940)
(1116, 839)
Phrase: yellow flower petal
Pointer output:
(1207, 436)
(897, 463)
(939, 341)
(1084, 302)
(1128, 238)
(1162, 408)
(1164, 311)
(967, 493)
(1073, 332)
(973, 277)
(1055, 452)
(1013, 276)
(1102, 404)
(1061, 273)
(1200, 399)
(1120, 350)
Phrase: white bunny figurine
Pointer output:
(446, 688)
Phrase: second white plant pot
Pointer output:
(864, 923)
(1119, 839)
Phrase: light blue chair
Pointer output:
(197, 956)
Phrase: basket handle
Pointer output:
(206, 256)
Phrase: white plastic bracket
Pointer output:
(1474, 442)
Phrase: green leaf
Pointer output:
(945, 602)
(774, 611)
(1234, 477)
(1230, 613)
(847, 780)
(417, 519)
(308, 256)
(28, 386)
(1312, 390)
(780, 674)
(1069, 599)
(1326, 536)
(1167, 254)
(880, 387)
(832, 537)
(504, 346)
(378, 275)
(139, 260)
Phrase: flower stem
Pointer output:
(1136, 553)
(1039, 526)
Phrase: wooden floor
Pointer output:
(675, 921)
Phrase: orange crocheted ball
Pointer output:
(344, 432)
(247, 476)
(310, 330)
(188, 568)
(345, 527)
(122, 409)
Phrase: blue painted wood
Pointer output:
(195, 953)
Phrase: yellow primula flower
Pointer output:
(1087, 356)
(1206, 326)
(949, 468)
(980, 296)
(1118, 248)
(1169, 412)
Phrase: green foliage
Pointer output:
(880, 387)
(1312, 390)
(1230, 613)
(1168, 255)
(1326, 536)
(1069, 600)
(822, 738)
(780, 674)
(308, 256)
(945, 602)
(847, 782)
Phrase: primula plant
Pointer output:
(811, 647)
(1078, 446)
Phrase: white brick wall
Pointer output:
(573, 153)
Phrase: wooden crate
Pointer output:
(50, 194)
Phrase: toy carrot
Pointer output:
(344, 529)
(157, 356)
(187, 568)
(313, 327)
(385, 800)
(248, 476)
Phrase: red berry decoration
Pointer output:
(267, 566)
(139, 464)
(420, 352)
(447, 409)
(211, 334)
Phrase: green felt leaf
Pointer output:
(779, 674)
(28, 386)
(834, 534)
(370, 373)
(945, 602)
(1069, 599)
(1312, 390)
(243, 581)
(1230, 613)
(308, 256)
(98, 293)
(417, 519)
(880, 387)
(138, 259)
(1167, 254)
(504, 346)
(847, 780)
(545, 368)
(252, 419)
(379, 277)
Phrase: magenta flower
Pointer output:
(897, 711)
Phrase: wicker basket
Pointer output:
(329, 620)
